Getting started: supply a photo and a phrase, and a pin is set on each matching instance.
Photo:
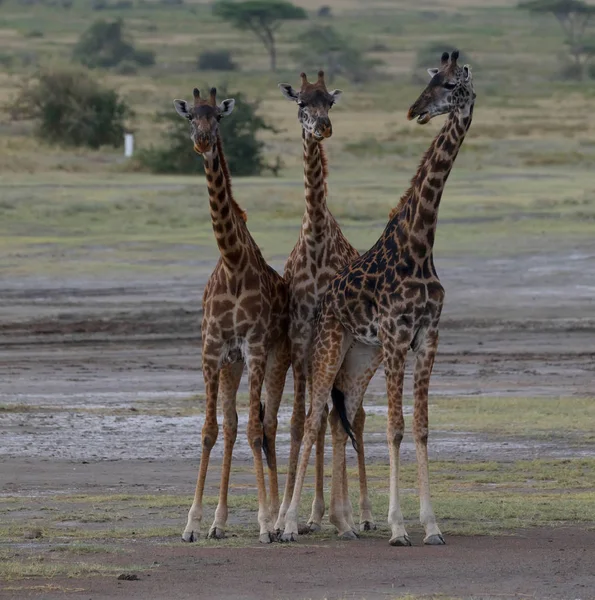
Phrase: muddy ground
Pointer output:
(99, 380)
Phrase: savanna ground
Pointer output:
(102, 272)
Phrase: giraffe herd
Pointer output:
(334, 317)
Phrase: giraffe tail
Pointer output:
(338, 398)
(265, 443)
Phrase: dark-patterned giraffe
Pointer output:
(321, 250)
(389, 300)
(245, 321)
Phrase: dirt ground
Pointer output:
(97, 380)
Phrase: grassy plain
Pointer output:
(522, 183)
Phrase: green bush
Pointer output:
(216, 60)
(243, 150)
(71, 108)
(103, 44)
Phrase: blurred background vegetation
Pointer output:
(76, 74)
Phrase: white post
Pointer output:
(128, 144)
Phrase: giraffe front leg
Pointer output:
(394, 365)
(210, 431)
(298, 418)
(256, 369)
(229, 381)
(276, 371)
(424, 362)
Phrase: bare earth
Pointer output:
(105, 372)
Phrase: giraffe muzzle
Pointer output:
(202, 144)
(422, 117)
(324, 129)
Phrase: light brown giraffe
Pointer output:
(245, 320)
(321, 250)
(389, 300)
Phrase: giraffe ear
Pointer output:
(432, 72)
(288, 92)
(467, 71)
(336, 94)
(226, 107)
(181, 107)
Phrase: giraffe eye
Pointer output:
(450, 86)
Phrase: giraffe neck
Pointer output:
(315, 173)
(228, 219)
(418, 209)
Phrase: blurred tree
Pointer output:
(323, 46)
(261, 17)
(104, 44)
(216, 60)
(239, 131)
(575, 17)
(71, 108)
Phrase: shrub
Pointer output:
(216, 60)
(71, 108)
(243, 150)
(324, 11)
(34, 33)
(103, 45)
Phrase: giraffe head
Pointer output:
(314, 102)
(204, 118)
(450, 90)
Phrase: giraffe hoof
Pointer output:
(367, 526)
(289, 537)
(434, 540)
(348, 535)
(314, 527)
(402, 540)
(266, 538)
(216, 533)
(190, 536)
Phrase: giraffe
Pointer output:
(321, 250)
(245, 320)
(389, 300)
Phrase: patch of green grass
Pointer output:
(508, 416)
(77, 548)
(516, 416)
(38, 566)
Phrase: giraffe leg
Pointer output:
(298, 417)
(274, 381)
(366, 520)
(315, 520)
(256, 369)
(339, 514)
(395, 351)
(424, 362)
(328, 351)
(229, 381)
(210, 431)
(359, 366)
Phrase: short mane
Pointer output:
(414, 180)
(227, 176)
